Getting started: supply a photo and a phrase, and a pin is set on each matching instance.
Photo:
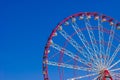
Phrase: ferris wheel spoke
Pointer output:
(96, 78)
(81, 77)
(82, 38)
(70, 54)
(101, 37)
(114, 55)
(111, 36)
(92, 37)
(114, 64)
(115, 74)
(74, 67)
(73, 43)
(117, 69)
(91, 34)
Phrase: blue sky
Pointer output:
(25, 26)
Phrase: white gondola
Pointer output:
(104, 19)
(45, 61)
(96, 17)
(73, 19)
(111, 23)
(47, 51)
(55, 34)
(66, 23)
(60, 28)
(81, 17)
(89, 16)
(51, 41)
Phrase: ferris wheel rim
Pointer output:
(76, 15)
(63, 21)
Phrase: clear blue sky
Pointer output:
(25, 26)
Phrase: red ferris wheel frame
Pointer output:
(88, 14)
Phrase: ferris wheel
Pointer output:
(83, 46)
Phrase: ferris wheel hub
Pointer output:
(104, 75)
